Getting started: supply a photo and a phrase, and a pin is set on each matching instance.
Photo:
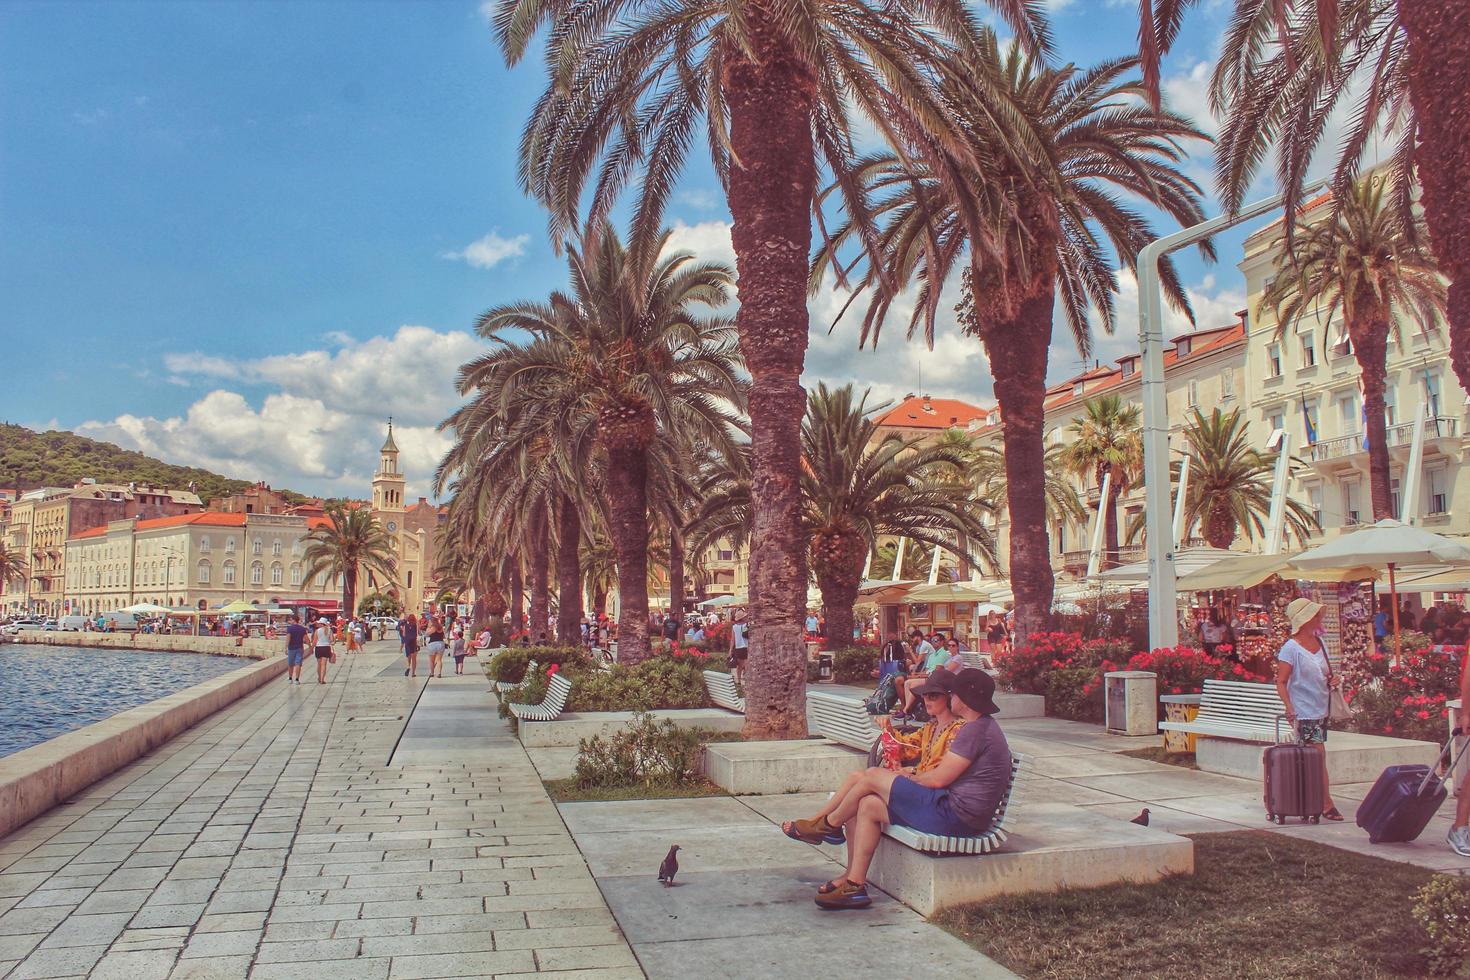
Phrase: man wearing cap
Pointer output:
(957, 798)
(1304, 681)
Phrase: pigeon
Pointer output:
(669, 867)
(1141, 819)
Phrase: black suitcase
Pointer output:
(1405, 798)
(1294, 778)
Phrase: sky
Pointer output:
(242, 235)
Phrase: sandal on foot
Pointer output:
(846, 895)
(830, 886)
(813, 832)
(1332, 815)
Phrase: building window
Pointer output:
(1309, 350)
(1129, 366)
(1276, 420)
(203, 573)
(1393, 498)
(1193, 390)
(276, 548)
(1347, 414)
(229, 578)
(257, 573)
(255, 546)
(1185, 345)
(1227, 384)
(230, 545)
(1311, 424)
(1351, 512)
(1431, 393)
(1438, 484)
(1390, 404)
(276, 573)
(295, 574)
(1273, 361)
(1078, 388)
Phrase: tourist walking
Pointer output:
(739, 647)
(322, 640)
(458, 647)
(295, 648)
(1304, 681)
(408, 634)
(436, 646)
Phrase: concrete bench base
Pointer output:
(1020, 705)
(1053, 847)
(804, 766)
(1351, 758)
(574, 726)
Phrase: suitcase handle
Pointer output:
(1279, 720)
(1444, 754)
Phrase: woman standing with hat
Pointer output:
(1304, 681)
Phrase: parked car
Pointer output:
(73, 624)
(37, 624)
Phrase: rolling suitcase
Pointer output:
(1294, 777)
(1404, 799)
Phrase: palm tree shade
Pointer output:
(1029, 211)
(1367, 264)
(1107, 440)
(349, 542)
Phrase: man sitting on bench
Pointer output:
(957, 798)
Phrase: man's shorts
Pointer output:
(925, 809)
(1311, 731)
(294, 657)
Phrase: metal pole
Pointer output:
(1163, 619)
(1409, 505)
(898, 561)
(1094, 556)
(1276, 516)
(1180, 492)
(934, 565)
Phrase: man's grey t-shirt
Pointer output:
(976, 793)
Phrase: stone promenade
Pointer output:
(376, 827)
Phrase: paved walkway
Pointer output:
(309, 832)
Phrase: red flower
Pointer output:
(552, 669)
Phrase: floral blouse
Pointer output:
(927, 745)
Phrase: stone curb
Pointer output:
(34, 780)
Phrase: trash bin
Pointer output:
(1180, 707)
(824, 666)
(1131, 699)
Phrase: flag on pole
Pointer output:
(1307, 423)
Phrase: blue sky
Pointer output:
(241, 234)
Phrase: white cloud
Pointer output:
(1188, 94)
(487, 10)
(318, 426)
(89, 117)
(490, 251)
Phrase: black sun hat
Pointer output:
(939, 681)
(976, 689)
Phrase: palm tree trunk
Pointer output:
(599, 602)
(1110, 527)
(517, 599)
(770, 93)
(568, 573)
(676, 574)
(627, 497)
(1370, 347)
(1439, 77)
(1017, 353)
(540, 572)
(349, 589)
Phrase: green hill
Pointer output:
(37, 459)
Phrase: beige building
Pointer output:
(1309, 373)
(410, 528)
(194, 561)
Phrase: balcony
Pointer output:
(1399, 437)
(1075, 562)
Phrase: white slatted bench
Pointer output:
(723, 692)
(979, 844)
(502, 686)
(1234, 709)
(550, 707)
(843, 720)
(978, 660)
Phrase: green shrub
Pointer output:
(1442, 907)
(658, 682)
(1075, 693)
(509, 665)
(854, 665)
(647, 753)
(813, 672)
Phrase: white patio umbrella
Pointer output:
(147, 609)
(1392, 544)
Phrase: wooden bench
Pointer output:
(843, 720)
(723, 692)
(979, 844)
(1234, 709)
(502, 686)
(550, 707)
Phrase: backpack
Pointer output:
(884, 699)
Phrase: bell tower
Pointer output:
(388, 483)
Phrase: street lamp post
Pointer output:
(1163, 618)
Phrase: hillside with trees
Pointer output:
(32, 459)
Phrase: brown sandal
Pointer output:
(817, 831)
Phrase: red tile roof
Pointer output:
(919, 412)
(1102, 379)
(206, 519)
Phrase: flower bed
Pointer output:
(1407, 700)
(670, 679)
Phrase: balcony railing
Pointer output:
(1440, 427)
(1076, 561)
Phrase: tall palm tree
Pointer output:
(1028, 214)
(1395, 66)
(1366, 262)
(12, 566)
(625, 357)
(1107, 441)
(350, 541)
(776, 86)
(1230, 482)
(1063, 502)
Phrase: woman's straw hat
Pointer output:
(1301, 612)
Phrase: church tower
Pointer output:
(388, 485)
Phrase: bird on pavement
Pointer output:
(669, 867)
(1141, 819)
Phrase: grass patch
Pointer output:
(1259, 905)
(1156, 753)
(567, 791)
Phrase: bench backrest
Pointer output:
(842, 719)
(557, 690)
(723, 691)
(1240, 703)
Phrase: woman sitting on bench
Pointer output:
(956, 798)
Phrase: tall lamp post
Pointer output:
(1163, 617)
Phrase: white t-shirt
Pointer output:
(1307, 685)
(738, 632)
(322, 635)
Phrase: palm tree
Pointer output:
(1366, 261)
(1063, 503)
(1107, 439)
(12, 566)
(1394, 66)
(626, 359)
(1230, 482)
(1026, 214)
(350, 541)
(776, 86)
